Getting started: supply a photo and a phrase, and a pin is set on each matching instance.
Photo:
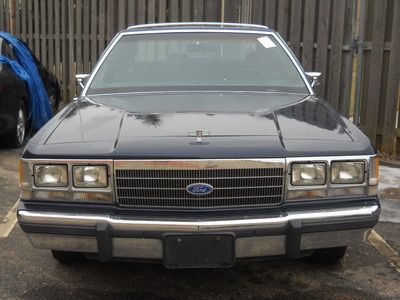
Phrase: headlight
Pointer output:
(347, 172)
(50, 175)
(90, 176)
(308, 174)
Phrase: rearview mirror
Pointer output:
(314, 78)
(81, 79)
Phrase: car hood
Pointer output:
(239, 125)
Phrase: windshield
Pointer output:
(197, 61)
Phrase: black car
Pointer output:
(198, 144)
(14, 98)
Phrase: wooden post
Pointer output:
(11, 12)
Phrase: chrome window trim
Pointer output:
(211, 24)
(204, 30)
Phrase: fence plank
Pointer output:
(121, 14)
(37, 28)
(162, 11)
(185, 11)
(375, 71)
(86, 36)
(393, 87)
(308, 35)
(295, 27)
(212, 10)
(78, 34)
(57, 37)
(94, 17)
(151, 11)
(43, 38)
(173, 10)
(64, 51)
(50, 34)
(270, 9)
(24, 20)
(102, 27)
(2, 18)
(7, 17)
(283, 12)
(245, 11)
(197, 10)
(141, 12)
(30, 25)
(71, 45)
(110, 20)
(322, 45)
(336, 53)
(347, 59)
(131, 12)
(17, 16)
(257, 10)
(230, 11)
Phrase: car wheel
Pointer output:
(54, 101)
(329, 255)
(16, 138)
(66, 257)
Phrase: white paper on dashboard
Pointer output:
(266, 42)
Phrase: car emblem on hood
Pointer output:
(199, 189)
(199, 133)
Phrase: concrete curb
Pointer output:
(390, 163)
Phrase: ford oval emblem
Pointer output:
(199, 189)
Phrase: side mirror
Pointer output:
(314, 78)
(81, 79)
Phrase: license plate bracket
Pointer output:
(198, 251)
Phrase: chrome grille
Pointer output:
(167, 187)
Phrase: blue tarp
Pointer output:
(25, 68)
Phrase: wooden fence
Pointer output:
(336, 37)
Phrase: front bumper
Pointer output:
(289, 231)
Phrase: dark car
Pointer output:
(198, 144)
(14, 98)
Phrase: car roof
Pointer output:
(198, 26)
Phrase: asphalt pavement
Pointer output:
(370, 270)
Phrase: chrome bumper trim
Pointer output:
(125, 224)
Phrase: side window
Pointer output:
(6, 49)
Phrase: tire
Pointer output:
(66, 257)
(17, 137)
(329, 255)
(54, 99)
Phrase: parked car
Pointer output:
(14, 98)
(198, 144)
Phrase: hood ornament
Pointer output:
(199, 133)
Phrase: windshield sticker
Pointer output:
(266, 42)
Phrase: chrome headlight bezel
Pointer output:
(69, 193)
(365, 187)
(41, 170)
